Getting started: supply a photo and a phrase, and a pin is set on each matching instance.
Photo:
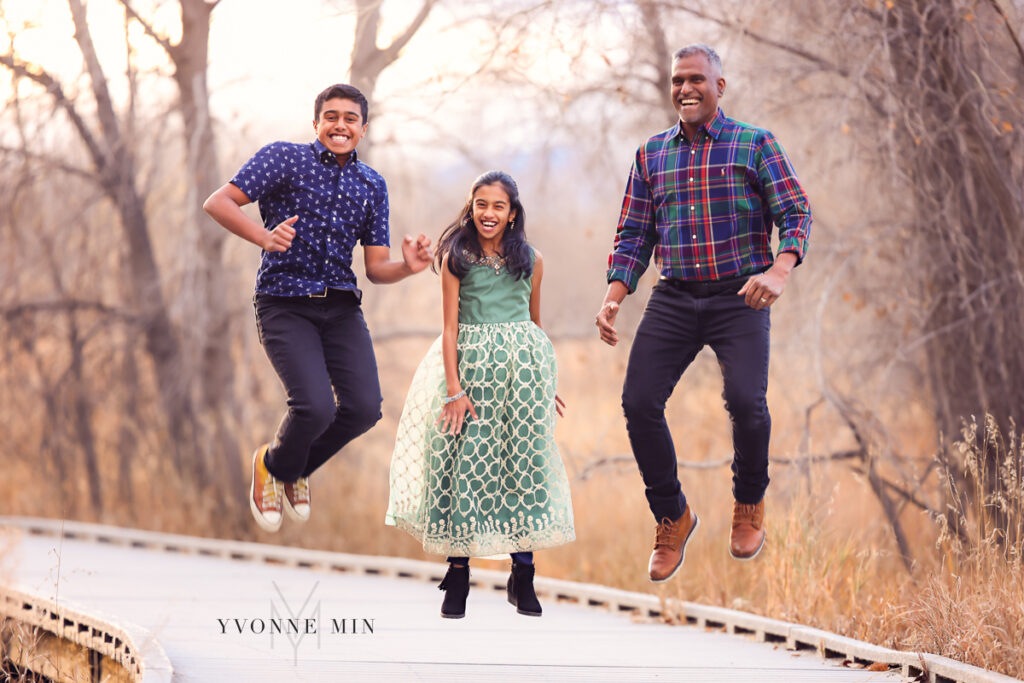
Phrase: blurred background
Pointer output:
(133, 387)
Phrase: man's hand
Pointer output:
(605, 322)
(417, 253)
(280, 238)
(761, 291)
(605, 319)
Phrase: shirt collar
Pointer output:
(713, 127)
(326, 156)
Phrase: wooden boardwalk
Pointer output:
(227, 620)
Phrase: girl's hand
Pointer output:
(559, 406)
(453, 415)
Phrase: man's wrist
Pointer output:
(785, 262)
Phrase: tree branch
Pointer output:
(1009, 29)
(66, 306)
(390, 53)
(52, 163)
(104, 104)
(713, 464)
(54, 89)
(147, 27)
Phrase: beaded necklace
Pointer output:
(496, 262)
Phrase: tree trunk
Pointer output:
(969, 234)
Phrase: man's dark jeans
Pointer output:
(676, 325)
(321, 350)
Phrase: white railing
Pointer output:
(931, 668)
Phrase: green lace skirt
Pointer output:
(499, 486)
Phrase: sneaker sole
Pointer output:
(682, 553)
(257, 515)
(452, 616)
(741, 558)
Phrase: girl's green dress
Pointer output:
(499, 486)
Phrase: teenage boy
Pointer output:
(316, 200)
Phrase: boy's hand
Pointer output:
(280, 238)
(417, 253)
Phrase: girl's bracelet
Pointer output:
(456, 397)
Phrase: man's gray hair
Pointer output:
(700, 48)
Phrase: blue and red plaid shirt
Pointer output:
(705, 207)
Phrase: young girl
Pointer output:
(475, 470)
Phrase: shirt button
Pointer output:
(693, 151)
(693, 208)
(691, 180)
(694, 237)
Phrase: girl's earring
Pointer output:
(512, 224)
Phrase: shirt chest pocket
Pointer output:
(349, 209)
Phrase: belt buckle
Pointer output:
(318, 295)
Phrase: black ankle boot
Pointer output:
(520, 590)
(455, 585)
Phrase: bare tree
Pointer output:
(195, 419)
(369, 60)
(212, 324)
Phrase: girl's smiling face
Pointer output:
(492, 211)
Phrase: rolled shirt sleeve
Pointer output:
(787, 203)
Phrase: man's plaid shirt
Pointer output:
(705, 208)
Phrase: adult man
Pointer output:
(320, 199)
(702, 196)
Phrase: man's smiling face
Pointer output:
(696, 87)
(340, 126)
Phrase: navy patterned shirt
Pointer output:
(337, 206)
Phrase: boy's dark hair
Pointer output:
(459, 240)
(345, 92)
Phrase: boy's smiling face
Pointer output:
(340, 126)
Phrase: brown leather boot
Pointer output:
(670, 539)
(747, 537)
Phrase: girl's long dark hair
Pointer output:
(460, 240)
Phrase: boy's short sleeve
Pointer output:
(376, 229)
(262, 173)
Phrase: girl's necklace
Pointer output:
(496, 262)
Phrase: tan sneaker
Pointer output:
(265, 493)
(670, 539)
(747, 537)
(296, 500)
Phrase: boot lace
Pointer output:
(668, 534)
(300, 490)
(270, 494)
(744, 513)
